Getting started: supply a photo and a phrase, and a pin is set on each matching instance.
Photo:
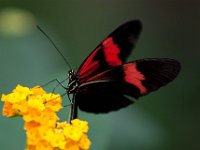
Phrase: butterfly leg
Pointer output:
(59, 83)
(48, 83)
(70, 100)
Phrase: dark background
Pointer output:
(164, 120)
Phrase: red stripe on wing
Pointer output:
(111, 52)
(89, 65)
(134, 77)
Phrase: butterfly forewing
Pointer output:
(113, 51)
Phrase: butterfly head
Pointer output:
(71, 73)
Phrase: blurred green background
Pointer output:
(164, 120)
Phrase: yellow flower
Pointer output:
(31, 124)
(82, 125)
(76, 130)
(71, 145)
(84, 142)
(48, 118)
(16, 101)
(53, 101)
(41, 145)
(37, 90)
(21, 107)
(14, 104)
(33, 136)
(8, 110)
(36, 103)
(38, 110)
(22, 90)
(32, 114)
(62, 125)
(73, 133)
(55, 138)
(14, 97)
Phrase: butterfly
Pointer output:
(106, 82)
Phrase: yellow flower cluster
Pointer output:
(44, 132)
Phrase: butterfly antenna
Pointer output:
(41, 30)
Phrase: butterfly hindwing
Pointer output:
(101, 97)
(113, 51)
(150, 74)
(108, 90)
(158, 72)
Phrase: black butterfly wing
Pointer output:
(111, 89)
(113, 51)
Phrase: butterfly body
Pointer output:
(73, 82)
(105, 81)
